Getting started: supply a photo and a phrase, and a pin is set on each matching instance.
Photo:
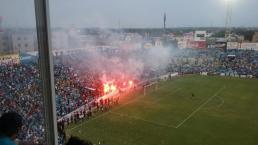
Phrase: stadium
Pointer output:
(201, 96)
(110, 73)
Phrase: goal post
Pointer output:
(152, 86)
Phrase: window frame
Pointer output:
(46, 69)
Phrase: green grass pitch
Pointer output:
(223, 111)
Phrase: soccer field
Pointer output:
(222, 111)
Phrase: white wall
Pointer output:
(23, 42)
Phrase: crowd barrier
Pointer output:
(85, 106)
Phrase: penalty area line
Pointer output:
(110, 111)
(200, 107)
(222, 101)
(104, 113)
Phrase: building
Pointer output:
(59, 40)
(195, 40)
(157, 42)
(199, 40)
(255, 37)
(233, 45)
(184, 41)
(4, 43)
(249, 46)
(23, 42)
(188, 36)
(181, 43)
(243, 46)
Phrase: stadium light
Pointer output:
(228, 21)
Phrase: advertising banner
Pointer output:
(198, 44)
(13, 58)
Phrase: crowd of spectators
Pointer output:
(216, 61)
(20, 92)
(71, 92)
(77, 85)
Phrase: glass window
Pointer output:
(156, 71)
(131, 72)
(20, 83)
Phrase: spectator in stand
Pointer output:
(20, 92)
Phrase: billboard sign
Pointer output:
(218, 45)
(200, 36)
(10, 59)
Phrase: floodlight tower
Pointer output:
(1, 18)
(164, 22)
(228, 18)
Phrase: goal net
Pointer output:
(153, 86)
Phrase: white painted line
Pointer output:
(105, 113)
(200, 107)
(222, 101)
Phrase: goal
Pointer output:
(153, 86)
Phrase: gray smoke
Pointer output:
(104, 56)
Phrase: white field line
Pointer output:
(141, 119)
(222, 101)
(200, 107)
(105, 113)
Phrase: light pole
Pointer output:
(228, 19)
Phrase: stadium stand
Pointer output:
(20, 84)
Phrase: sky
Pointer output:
(131, 13)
